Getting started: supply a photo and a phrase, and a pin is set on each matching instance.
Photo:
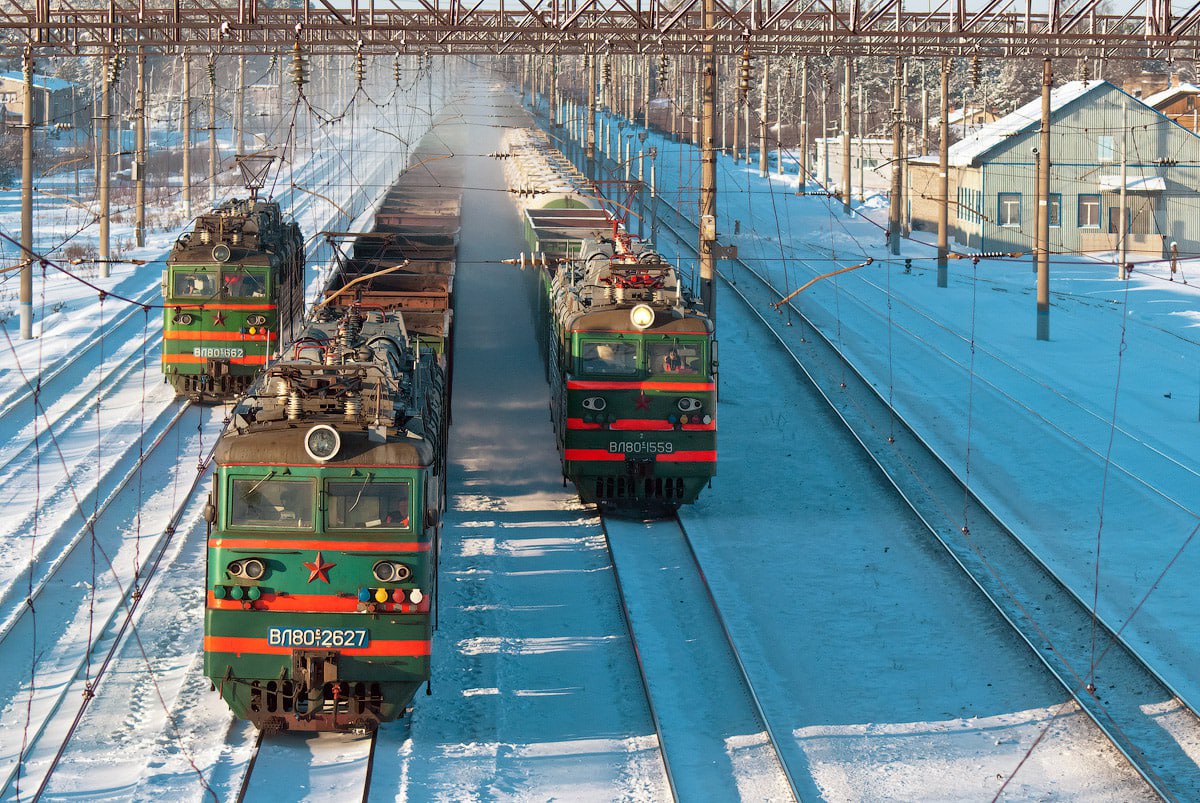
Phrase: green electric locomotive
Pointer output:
(233, 292)
(322, 548)
(630, 357)
(632, 376)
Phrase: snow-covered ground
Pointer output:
(896, 681)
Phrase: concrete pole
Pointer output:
(1043, 210)
(723, 110)
(943, 235)
(763, 110)
(103, 176)
(737, 117)
(803, 123)
(590, 151)
(905, 217)
(1123, 208)
(779, 125)
(746, 125)
(924, 113)
(139, 157)
(552, 98)
(823, 140)
(241, 106)
(695, 107)
(862, 147)
(26, 290)
(212, 130)
(897, 155)
(847, 82)
(646, 69)
(185, 124)
(708, 166)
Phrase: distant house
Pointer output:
(55, 101)
(966, 119)
(993, 173)
(870, 164)
(1178, 103)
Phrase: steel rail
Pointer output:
(658, 730)
(38, 384)
(244, 786)
(737, 656)
(13, 618)
(119, 372)
(128, 599)
(263, 748)
(1122, 733)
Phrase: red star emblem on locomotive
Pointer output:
(319, 568)
(643, 401)
(219, 318)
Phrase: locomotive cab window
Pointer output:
(675, 357)
(192, 284)
(366, 505)
(608, 357)
(242, 283)
(274, 503)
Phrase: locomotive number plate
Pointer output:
(317, 637)
(641, 447)
(210, 352)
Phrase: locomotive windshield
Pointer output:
(274, 503)
(674, 357)
(608, 357)
(367, 504)
(241, 283)
(191, 284)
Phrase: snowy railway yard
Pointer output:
(868, 604)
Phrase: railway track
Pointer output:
(314, 766)
(92, 590)
(715, 739)
(1140, 713)
(39, 394)
(65, 629)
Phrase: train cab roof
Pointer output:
(616, 319)
(283, 444)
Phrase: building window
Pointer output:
(1107, 151)
(1114, 220)
(1055, 209)
(1089, 211)
(1010, 209)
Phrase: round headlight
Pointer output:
(595, 403)
(184, 318)
(642, 316)
(387, 571)
(687, 404)
(256, 320)
(235, 568)
(322, 442)
(253, 569)
(221, 252)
